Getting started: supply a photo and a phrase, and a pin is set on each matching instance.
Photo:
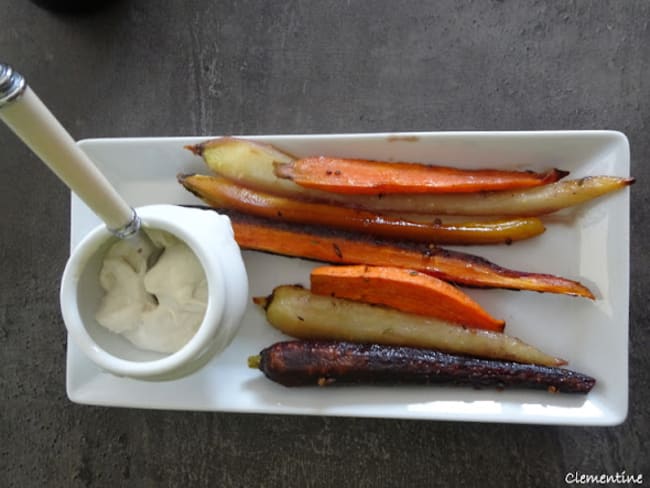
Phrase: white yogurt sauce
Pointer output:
(157, 309)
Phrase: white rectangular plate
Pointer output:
(590, 244)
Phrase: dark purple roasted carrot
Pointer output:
(305, 363)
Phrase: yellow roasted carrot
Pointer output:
(301, 314)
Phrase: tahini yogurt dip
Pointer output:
(157, 309)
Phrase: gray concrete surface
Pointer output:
(146, 68)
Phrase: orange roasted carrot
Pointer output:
(403, 289)
(218, 191)
(341, 247)
(363, 177)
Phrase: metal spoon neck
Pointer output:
(12, 85)
(128, 230)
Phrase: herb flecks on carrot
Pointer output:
(363, 177)
(403, 289)
(218, 191)
(341, 247)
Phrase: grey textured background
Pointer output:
(147, 68)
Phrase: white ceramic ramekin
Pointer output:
(210, 236)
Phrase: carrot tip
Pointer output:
(254, 361)
(561, 173)
(181, 177)
(586, 293)
(261, 301)
(195, 148)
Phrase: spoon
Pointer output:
(29, 118)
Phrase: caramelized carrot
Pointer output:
(299, 313)
(402, 289)
(341, 247)
(363, 177)
(329, 363)
(252, 164)
(218, 191)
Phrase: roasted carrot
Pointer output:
(329, 363)
(299, 313)
(403, 289)
(363, 177)
(218, 191)
(341, 247)
(252, 164)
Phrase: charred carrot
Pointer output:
(341, 247)
(324, 363)
(363, 177)
(403, 289)
(218, 191)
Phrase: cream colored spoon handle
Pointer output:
(30, 119)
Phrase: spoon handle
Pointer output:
(32, 122)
